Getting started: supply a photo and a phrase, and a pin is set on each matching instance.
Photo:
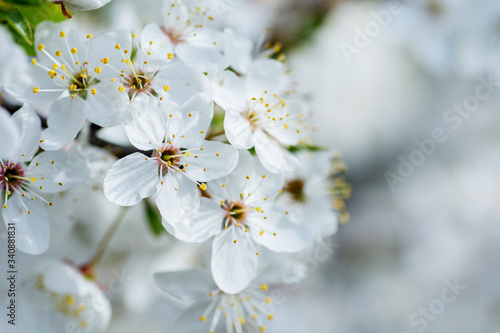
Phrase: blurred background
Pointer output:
(406, 91)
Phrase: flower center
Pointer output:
(175, 37)
(137, 83)
(169, 158)
(12, 176)
(296, 189)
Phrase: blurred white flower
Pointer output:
(316, 193)
(57, 296)
(244, 311)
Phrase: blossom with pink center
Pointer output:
(181, 160)
(25, 177)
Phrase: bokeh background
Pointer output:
(373, 97)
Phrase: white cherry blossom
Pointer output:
(25, 177)
(181, 159)
(240, 214)
(188, 32)
(316, 192)
(68, 72)
(56, 296)
(140, 75)
(210, 309)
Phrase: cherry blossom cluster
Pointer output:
(220, 140)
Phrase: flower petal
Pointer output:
(29, 124)
(58, 171)
(10, 136)
(215, 160)
(108, 105)
(189, 123)
(177, 198)
(281, 233)
(189, 285)
(148, 130)
(272, 155)
(234, 265)
(161, 46)
(66, 118)
(228, 88)
(33, 229)
(238, 130)
(205, 224)
(182, 81)
(131, 179)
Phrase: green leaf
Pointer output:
(17, 23)
(153, 218)
(21, 18)
(295, 149)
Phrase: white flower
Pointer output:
(239, 212)
(181, 159)
(187, 33)
(69, 72)
(256, 101)
(57, 296)
(139, 75)
(24, 177)
(316, 193)
(245, 311)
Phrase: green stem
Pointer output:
(103, 245)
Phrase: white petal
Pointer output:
(272, 155)
(131, 179)
(205, 224)
(250, 176)
(10, 136)
(29, 124)
(22, 88)
(190, 122)
(148, 130)
(82, 5)
(291, 236)
(233, 264)
(229, 89)
(189, 321)
(32, 230)
(104, 46)
(108, 105)
(60, 278)
(238, 50)
(318, 212)
(203, 50)
(66, 118)
(48, 34)
(178, 198)
(58, 171)
(161, 46)
(215, 160)
(183, 82)
(238, 130)
(267, 74)
(189, 285)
